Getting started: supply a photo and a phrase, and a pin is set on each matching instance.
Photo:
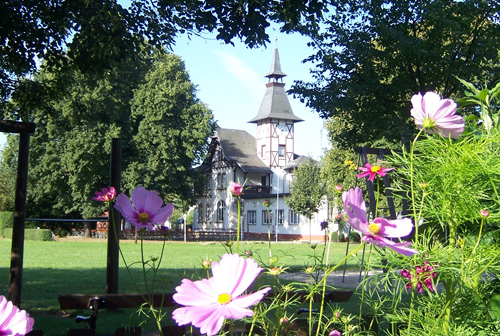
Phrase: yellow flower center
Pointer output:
(224, 298)
(143, 217)
(428, 123)
(375, 169)
(373, 228)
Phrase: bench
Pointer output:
(94, 302)
(115, 301)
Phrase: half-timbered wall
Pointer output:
(275, 142)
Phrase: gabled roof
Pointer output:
(239, 146)
(298, 160)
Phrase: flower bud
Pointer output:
(484, 213)
(206, 264)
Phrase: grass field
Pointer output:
(70, 266)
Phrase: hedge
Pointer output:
(6, 221)
(32, 234)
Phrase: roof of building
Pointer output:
(275, 71)
(275, 103)
(239, 146)
(298, 160)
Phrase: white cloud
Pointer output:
(242, 72)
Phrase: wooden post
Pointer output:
(17, 251)
(114, 228)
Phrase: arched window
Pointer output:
(221, 207)
(208, 214)
(200, 212)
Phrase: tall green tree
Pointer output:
(372, 56)
(148, 101)
(307, 189)
(92, 35)
(171, 131)
(8, 173)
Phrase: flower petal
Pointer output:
(234, 274)
(196, 293)
(354, 204)
(146, 201)
(162, 215)
(394, 228)
(123, 205)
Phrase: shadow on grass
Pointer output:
(41, 287)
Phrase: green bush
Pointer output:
(354, 237)
(32, 234)
(6, 221)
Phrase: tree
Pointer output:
(8, 173)
(306, 190)
(373, 56)
(92, 35)
(69, 154)
(172, 127)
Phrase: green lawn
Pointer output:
(71, 266)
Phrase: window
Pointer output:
(251, 217)
(262, 150)
(208, 213)
(208, 182)
(221, 181)
(281, 151)
(281, 217)
(221, 207)
(265, 219)
(293, 217)
(200, 212)
(263, 181)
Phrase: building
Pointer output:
(266, 164)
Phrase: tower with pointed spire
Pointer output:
(275, 120)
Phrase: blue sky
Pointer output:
(230, 80)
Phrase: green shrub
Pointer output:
(354, 237)
(6, 221)
(32, 234)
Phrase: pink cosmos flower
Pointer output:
(335, 333)
(423, 275)
(146, 210)
(379, 228)
(436, 115)
(373, 171)
(12, 320)
(105, 195)
(209, 301)
(235, 188)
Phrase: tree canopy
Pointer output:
(372, 56)
(146, 100)
(92, 35)
(307, 189)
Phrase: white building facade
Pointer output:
(265, 164)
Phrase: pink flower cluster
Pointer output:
(422, 275)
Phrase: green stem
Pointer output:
(323, 280)
(412, 190)
(412, 301)
(448, 286)
(238, 227)
(269, 234)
